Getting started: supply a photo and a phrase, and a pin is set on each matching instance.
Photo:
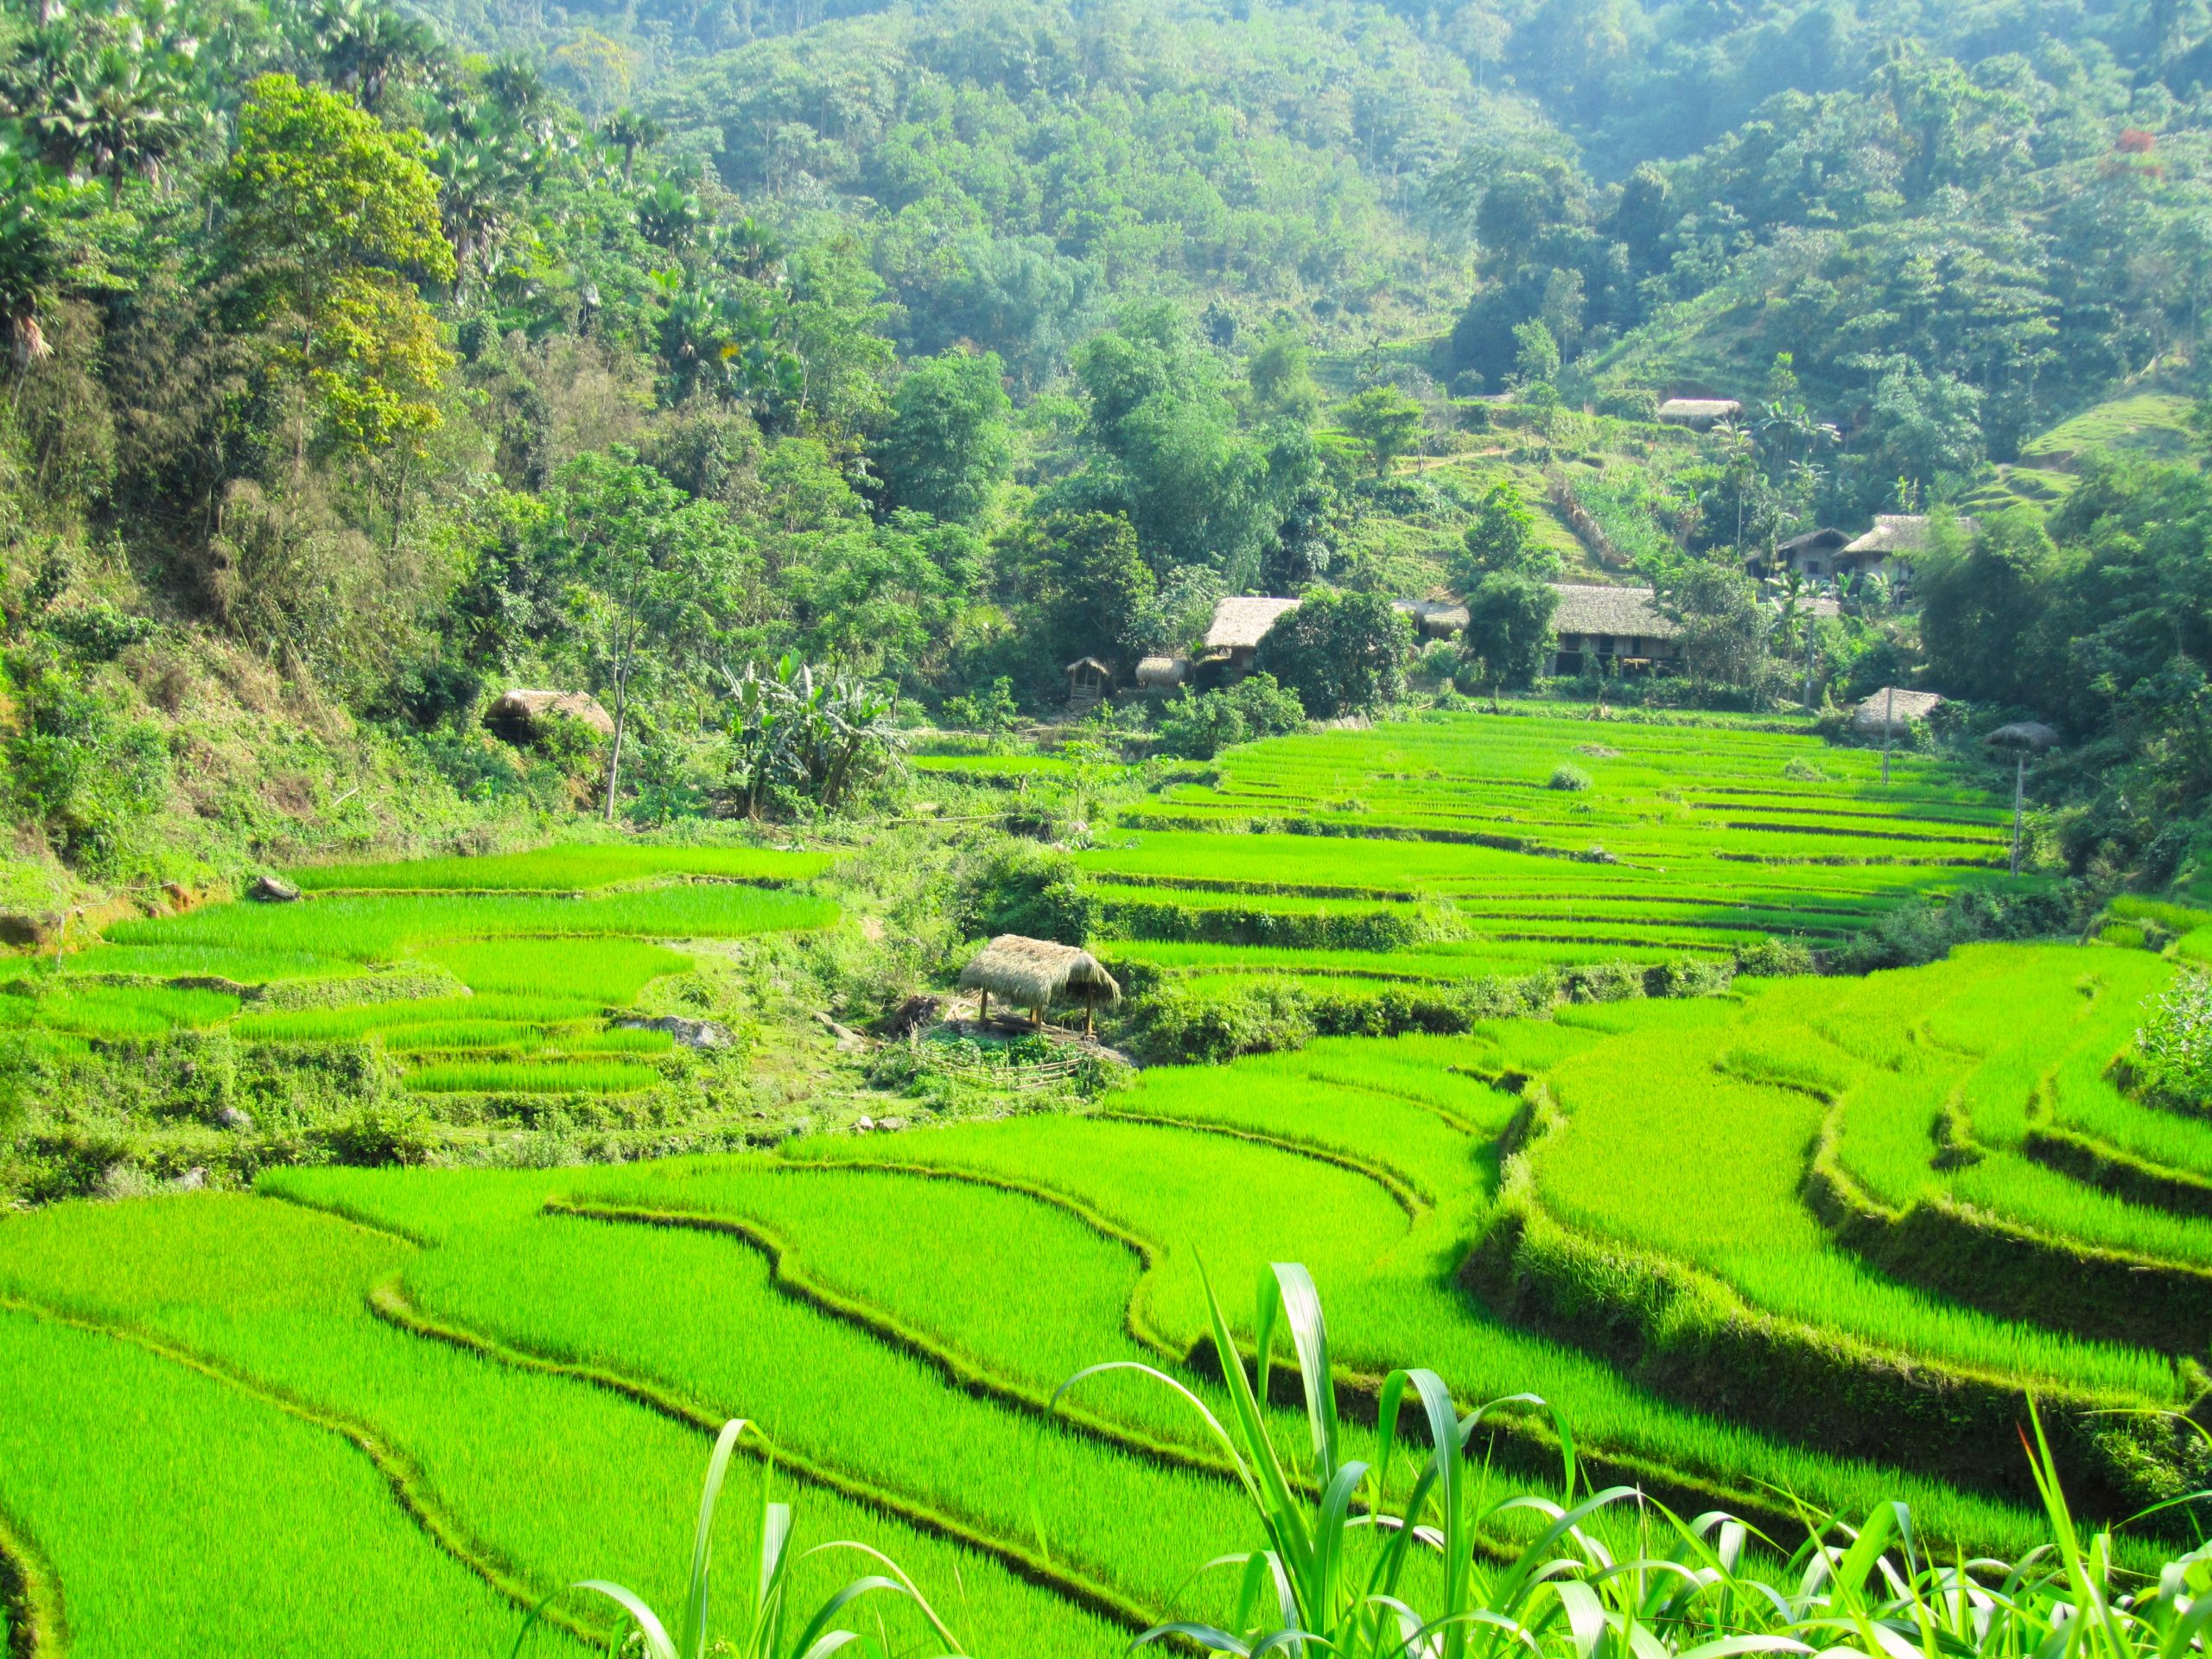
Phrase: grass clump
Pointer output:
(1568, 777)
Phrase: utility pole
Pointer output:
(2019, 788)
(1889, 715)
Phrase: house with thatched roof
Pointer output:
(1896, 707)
(1432, 618)
(1238, 627)
(1811, 555)
(517, 717)
(1594, 625)
(1030, 973)
(1698, 414)
(1894, 533)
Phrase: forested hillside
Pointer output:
(364, 365)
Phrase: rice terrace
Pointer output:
(1052, 828)
(1563, 1115)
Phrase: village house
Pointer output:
(1875, 553)
(1811, 555)
(1238, 627)
(1595, 626)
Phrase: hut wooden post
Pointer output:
(983, 1010)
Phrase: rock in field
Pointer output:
(273, 890)
(688, 1033)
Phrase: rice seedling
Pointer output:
(611, 972)
(357, 1020)
(204, 962)
(699, 1315)
(563, 869)
(383, 927)
(171, 1504)
(101, 1011)
(1394, 1278)
(534, 1470)
(532, 1077)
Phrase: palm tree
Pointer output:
(29, 261)
(367, 50)
(629, 132)
(133, 117)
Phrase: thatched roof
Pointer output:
(1158, 673)
(1241, 624)
(1091, 663)
(1438, 618)
(2030, 734)
(1030, 972)
(1824, 540)
(1623, 612)
(1900, 532)
(513, 713)
(1907, 707)
(1699, 411)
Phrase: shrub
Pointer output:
(1198, 727)
(1181, 1024)
(1804, 771)
(1568, 777)
(1023, 888)
(1775, 958)
(2173, 1047)
(992, 708)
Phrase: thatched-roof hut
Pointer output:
(515, 715)
(1163, 673)
(1594, 625)
(1698, 413)
(1434, 618)
(2029, 736)
(1029, 972)
(1239, 623)
(1895, 707)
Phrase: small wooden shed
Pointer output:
(1030, 973)
(1089, 680)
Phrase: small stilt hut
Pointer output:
(1029, 972)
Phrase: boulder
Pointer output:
(192, 1180)
(915, 1013)
(688, 1033)
(229, 1117)
(273, 890)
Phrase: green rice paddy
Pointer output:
(1306, 854)
(1816, 1239)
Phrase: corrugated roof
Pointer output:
(1586, 608)
(1240, 624)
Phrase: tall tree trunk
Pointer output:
(615, 758)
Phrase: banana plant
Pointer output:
(771, 1628)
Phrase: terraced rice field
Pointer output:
(1813, 1241)
(1731, 1239)
(1309, 853)
(495, 975)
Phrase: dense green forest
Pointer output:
(363, 365)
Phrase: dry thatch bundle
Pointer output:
(1029, 972)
